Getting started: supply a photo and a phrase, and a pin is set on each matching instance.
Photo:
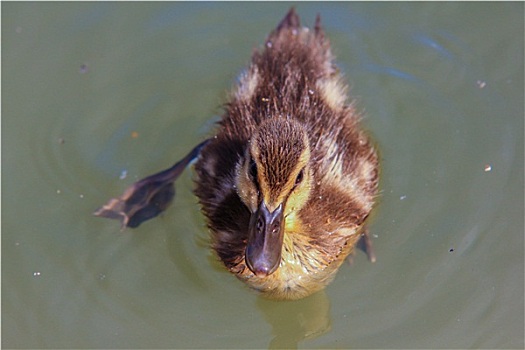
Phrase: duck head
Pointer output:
(273, 181)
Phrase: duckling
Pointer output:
(288, 179)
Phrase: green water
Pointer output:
(97, 95)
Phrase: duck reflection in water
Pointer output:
(296, 320)
(288, 178)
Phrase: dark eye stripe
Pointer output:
(253, 170)
(299, 178)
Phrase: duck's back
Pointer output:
(293, 76)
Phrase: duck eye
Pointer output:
(253, 170)
(299, 177)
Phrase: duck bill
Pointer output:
(265, 240)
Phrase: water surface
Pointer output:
(97, 95)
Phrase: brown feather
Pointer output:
(292, 79)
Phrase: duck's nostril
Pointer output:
(276, 227)
(260, 225)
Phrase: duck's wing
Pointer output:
(148, 197)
